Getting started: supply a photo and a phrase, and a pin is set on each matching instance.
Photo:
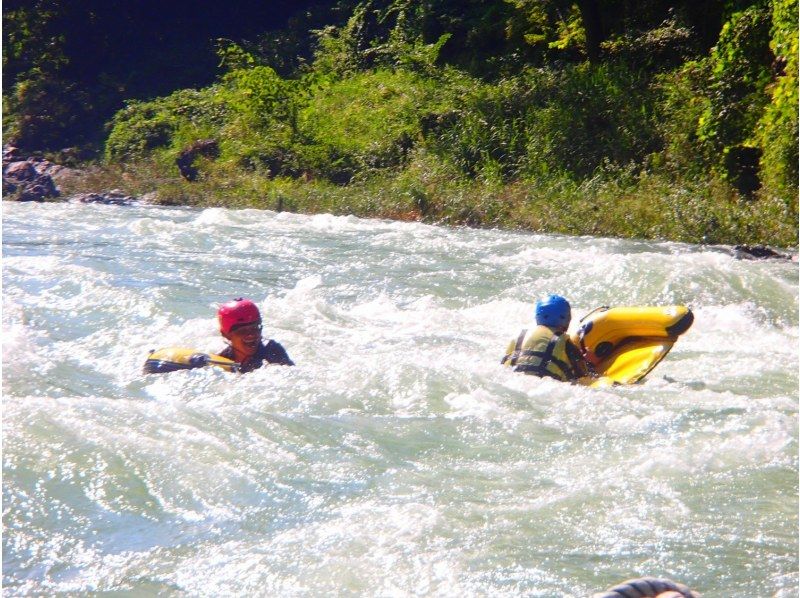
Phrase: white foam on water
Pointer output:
(398, 457)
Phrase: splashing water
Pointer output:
(397, 458)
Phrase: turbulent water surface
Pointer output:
(397, 458)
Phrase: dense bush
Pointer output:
(681, 104)
(45, 111)
(169, 122)
(483, 130)
(594, 115)
(548, 122)
(86, 58)
(690, 141)
(735, 97)
(778, 127)
(370, 120)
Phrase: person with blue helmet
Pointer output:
(546, 349)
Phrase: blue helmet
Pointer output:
(553, 311)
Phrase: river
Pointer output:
(397, 458)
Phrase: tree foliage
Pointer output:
(503, 90)
(777, 129)
(68, 66)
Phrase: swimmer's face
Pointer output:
(245, 338)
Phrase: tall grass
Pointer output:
(429, 189)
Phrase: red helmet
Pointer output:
(238, 311)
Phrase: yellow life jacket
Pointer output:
(541, 352)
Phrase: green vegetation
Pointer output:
(625, 119)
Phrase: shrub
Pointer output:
(169, 122)
(681, 103)
(366, 121)
(45, 112)
(484, 133)
(260, 96)
(594, 114)
(546, 122)
(778, 126)
(736, 98)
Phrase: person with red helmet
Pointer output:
(240, 324)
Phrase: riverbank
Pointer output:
(619, 204)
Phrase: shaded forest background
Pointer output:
(635, 118)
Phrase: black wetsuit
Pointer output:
(272, 352)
